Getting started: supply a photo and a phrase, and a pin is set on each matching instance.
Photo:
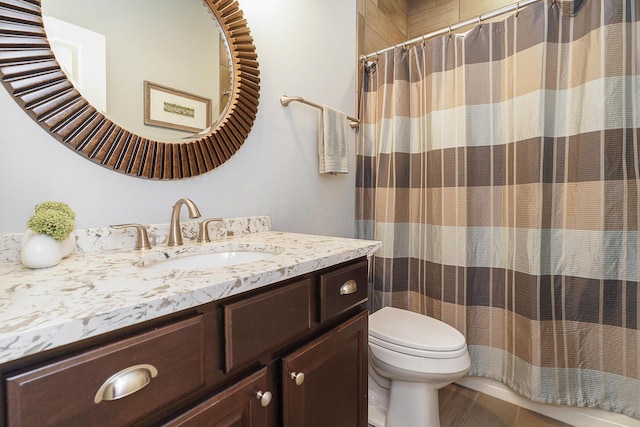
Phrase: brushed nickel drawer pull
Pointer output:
(126, 382)
(349, 287)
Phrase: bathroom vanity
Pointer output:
(279, 341)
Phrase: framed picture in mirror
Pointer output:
(175, 109)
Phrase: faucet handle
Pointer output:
(142, 241)
(203, 230)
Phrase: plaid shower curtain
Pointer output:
(500, 169)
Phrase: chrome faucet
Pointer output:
(175, 232)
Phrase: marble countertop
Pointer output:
(99, 291)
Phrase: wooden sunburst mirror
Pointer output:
(34, 78)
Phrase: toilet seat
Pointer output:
(415, 334)
(425, 354)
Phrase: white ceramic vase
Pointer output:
(42, 251)
(68, 246)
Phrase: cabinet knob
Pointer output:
(264, 398)
(125, 382)
(298, 377)
(349, 287)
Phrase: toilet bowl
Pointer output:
(411, 356)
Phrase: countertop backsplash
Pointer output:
(105, 238)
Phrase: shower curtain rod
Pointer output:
(446, 30)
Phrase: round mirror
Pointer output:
(181, 118)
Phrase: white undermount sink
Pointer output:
(211, 260)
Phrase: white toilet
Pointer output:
(411, 356)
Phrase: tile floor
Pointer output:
(463, 407)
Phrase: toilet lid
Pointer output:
(413, 330)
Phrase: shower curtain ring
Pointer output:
(517, 9)
(449, 31)
(480, 20)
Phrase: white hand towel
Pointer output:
(333, 152)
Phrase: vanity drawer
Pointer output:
(343, 289)
(65, 392)
(260, 323)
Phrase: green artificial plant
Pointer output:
(55, 219)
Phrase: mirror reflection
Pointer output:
(158, 69)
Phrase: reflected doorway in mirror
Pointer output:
(82, 54)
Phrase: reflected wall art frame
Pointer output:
(175, 109)
(32, 75)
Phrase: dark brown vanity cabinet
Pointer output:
(292, 353)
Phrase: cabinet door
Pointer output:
(325, 382)
(244, 404)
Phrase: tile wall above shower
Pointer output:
(384, 23)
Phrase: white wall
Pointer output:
(305, 48)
